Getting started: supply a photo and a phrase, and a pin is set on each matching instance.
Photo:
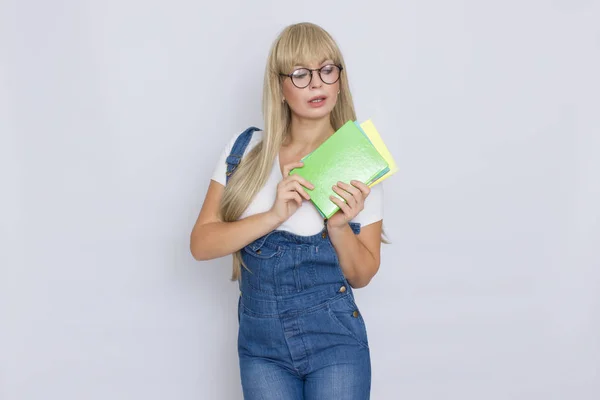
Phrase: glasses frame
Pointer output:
(311, 75)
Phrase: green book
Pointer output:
(346, 155)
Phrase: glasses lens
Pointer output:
(301, 77)
(330, 74)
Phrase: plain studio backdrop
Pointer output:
(113, 113)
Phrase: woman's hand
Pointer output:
(355, 195)
(290, 192)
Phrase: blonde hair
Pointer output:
(297, 44)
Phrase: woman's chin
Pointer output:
(315, 113)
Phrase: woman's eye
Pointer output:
(327, 70)
(300, 74)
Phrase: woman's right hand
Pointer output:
(290, 192)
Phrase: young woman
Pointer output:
(301, 334)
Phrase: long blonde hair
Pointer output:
(297, 44)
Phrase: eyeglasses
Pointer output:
(302, 77)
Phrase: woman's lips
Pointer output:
(317, 102)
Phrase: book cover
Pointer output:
(346, 155)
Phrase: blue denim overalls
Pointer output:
(301, 335)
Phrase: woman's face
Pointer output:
(316, 100)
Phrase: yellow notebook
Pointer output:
(371, 132)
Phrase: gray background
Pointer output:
(113, 113)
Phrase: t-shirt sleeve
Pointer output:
(220, 170)
(373, 210)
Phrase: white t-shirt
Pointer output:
(306, 220)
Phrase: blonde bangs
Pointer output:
(303, 44)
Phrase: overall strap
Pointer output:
(237, 151)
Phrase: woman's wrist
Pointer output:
(272, 220)
(336, 230)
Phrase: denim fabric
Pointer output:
(301, 335)
(237, 151)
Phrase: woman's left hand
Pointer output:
(355, 195)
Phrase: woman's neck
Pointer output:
(306, 134)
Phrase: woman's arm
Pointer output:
(359, 255)
(213, 238)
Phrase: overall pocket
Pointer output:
(344, 313)
(261, 258)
